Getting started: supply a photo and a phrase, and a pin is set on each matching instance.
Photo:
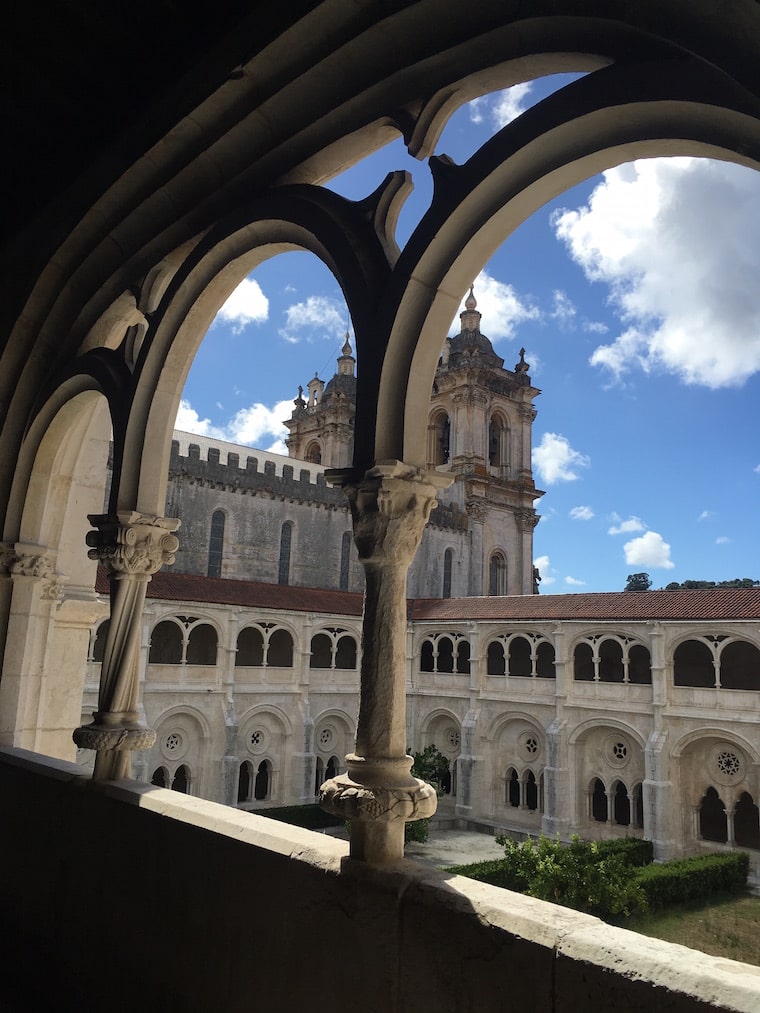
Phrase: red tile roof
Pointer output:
(704, 604)
(708, 603)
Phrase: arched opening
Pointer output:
(181, 779)
(100, 641)
(445, 655)
(166, 642)
(439, 440)
(611, 661)
(713, 824)
(693, 665)
(513, 788)
(321, 651)
(319, 774)
(583, 663)
(345, 652)
(746, 822)
(448, 558)
(286, 538)
(740, 666)
(545, 661)
(245, 781)
(427, 657)
(463, 657)
(313, 453)
(621, 805)
(598, 801)
(497, 574)
(495, 660)
(520, 662)
(280, 649)
(160, 777)
(262, 785)
(639, 665)
(531, 791)
(250, 648)
(201, 645)
(333, 767)
(498, 443)
(216, 544)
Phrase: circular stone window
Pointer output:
(617, 750)
(529, 745)
(726, 763)
(326, 738)
(452, 739)
(173, 744)
(257, 740)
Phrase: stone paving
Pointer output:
(454, 847)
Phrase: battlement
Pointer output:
(221, 464)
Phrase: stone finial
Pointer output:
(471, 302)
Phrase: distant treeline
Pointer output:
(689, 585)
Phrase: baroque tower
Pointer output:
(480, 539)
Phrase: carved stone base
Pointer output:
(369, 792)
(99, 737)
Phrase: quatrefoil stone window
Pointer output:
(620, 750)
(326, 737)
(257, 740)
(453, 738)
(531, 745)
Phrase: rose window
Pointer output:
(173, 742)
(257, 737)
(452, 738)
(620, 750)
(531, 745)
(326, 737)
(728, 763)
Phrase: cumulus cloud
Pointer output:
(546, 571)
(318, 317)
(722, 540)
(503, 309)
(648, 550)
(675, 240)
(705, 516)
(247, 305)
(582, 513)
(621, 527)
(555, 460)
(595, 327)
(501, 107)
(573, 582)
(254, 426)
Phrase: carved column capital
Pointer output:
(526, 519)
(378, 790)
(130, 543)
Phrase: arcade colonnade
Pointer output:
(111, 290)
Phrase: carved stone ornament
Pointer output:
(55, 588)
(98, 738)
(132, 543)
(28, 565)
(7, 557)
(365, 800)
(478, 510)
(526, 519)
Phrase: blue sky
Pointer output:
(636, 297)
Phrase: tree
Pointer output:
(638, 582)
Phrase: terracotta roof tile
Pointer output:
(699, 604)
(708, 603)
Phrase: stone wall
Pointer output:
(123, 896)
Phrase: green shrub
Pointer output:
(688, 879)
(636, 851)
(579, 875)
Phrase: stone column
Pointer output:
(390, 506)
(131, 547)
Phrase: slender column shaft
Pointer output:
(131, 547)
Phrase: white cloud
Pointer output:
(573, 582)
(648, 550)
(705, 516)
(723, 540)
(582, 513)
(595, 327)
(247, 305)
(625, 527)
(556, 461)
(502, 106)
(318, 317)
(501, 307)
(563, 308)
(676, 242)
(545, 570)
(757, 469)
(255, 426)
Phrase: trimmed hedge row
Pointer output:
(310, 817)
(635, 851)
(688, 879)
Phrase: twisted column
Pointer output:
(390, 506)
(131, 547)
